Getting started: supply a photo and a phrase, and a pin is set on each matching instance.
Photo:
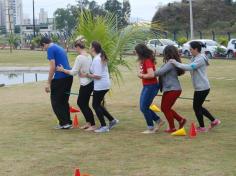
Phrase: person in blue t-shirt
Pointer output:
(58, 83)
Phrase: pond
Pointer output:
(21, 78)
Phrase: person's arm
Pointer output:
(51, 72)
(164, 69)
(148, 75)
(75, 69)
(189, 67)
(97, 71)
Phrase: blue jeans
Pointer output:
(147, 95)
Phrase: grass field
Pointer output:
(29, 146)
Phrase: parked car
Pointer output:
(158, 45)
(231, 48)
(211, 48)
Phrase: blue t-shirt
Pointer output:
(58, 54)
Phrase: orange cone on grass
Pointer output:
(192, 131)
(73, 109)
(75, 121)
(77, 172)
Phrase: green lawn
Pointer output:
(29, 146)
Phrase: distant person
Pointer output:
(100, 75)
(197, 68)
(58, 83)
(170, 86)
(82, 65)
(150, 89)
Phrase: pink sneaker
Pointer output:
(215, 123)
(201, 129)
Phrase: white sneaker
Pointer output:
(102, 130)
(148, 131)
(113, 123)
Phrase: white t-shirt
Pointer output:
(82, 65)
(99, 68)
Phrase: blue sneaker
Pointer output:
(102, 129)
(113, 123)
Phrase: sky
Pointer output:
(142, 9)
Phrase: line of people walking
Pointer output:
(94, 79)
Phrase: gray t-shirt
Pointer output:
(169, 77)
(197, 69)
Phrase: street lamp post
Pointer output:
(33, 19)
(191, 20)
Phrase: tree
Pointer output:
(114, 42)
(66, 19)
(115, 7)
(126, 12)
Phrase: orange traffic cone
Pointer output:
(73, 109)
(192, 131)
(75, 122)
(77, 172)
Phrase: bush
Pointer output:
(182, 40)
(223, 40)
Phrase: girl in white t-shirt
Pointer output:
(82, 65)
(100, 75)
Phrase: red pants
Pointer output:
(168, 100)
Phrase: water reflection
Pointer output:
(21, 78)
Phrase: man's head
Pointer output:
(44, 42)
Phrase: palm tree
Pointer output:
(114, 42)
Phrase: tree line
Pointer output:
(208, 15)
(66, 18)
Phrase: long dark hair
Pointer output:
(144, 52)
(98, 49)
(171, 52)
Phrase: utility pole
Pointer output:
(9, 13)
(33, 19)
(191, 20)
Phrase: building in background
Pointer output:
(43, 16)
(2, 13)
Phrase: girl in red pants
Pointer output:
(170, 86)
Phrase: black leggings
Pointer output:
(83, 102)
(198, 100)
(100, 110)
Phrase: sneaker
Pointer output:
(67, 126)
(148, 131)
(91, 128)
(159, 125)
(170, 130)
(61, 127)
(215, 123)
(102, 129)
(182, 123)
(201, 129)
(113, 123)
(58, 127)
(86, 126)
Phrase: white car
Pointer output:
(210, 50)
(158, 45)
(231, 48)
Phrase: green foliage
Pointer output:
(12, 41)
(114, 42)
(182, 40)
(35, 42)
(220, 51)
(55, 39)
(208, 15)
(223, 40)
